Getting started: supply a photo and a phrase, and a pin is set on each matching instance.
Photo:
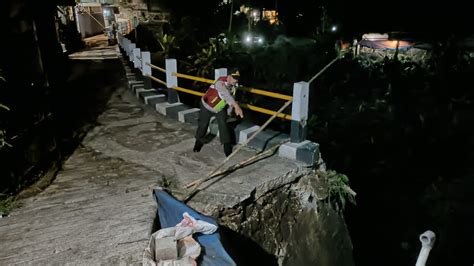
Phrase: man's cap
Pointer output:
(234, 72)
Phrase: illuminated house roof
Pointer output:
(381, 41)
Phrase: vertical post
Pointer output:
(136, 58)
(171, 80)
(299, 111)
(146, 69)
(126, 44)
(131, 46)
(220, 72)
(136, 61)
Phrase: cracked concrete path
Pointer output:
(100, 209)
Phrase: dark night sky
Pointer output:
(418, 16)
(425, 17)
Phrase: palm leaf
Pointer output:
(4, 107)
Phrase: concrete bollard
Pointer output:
(299, 112)
(220, 72)
(171, 80)
(146, 69)
(137, 58)
(131, 46)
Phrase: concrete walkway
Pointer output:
(97, 48)
(100, 209)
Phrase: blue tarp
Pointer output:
(170, 213)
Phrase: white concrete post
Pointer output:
(299, 111)
(130, 51)
(125, 45)
(137, 58)
(146, 59)
(220, 72)
(146, 69)
(171, 80)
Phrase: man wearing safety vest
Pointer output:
(214, 103)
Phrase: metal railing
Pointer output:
(244, 105)
(299, 99)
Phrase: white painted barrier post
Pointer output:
(146, 69)
(126, 45)
(131, 46)
(299, 112)
(220, 72)
(171, 80)
(121, 40)
(137, 58)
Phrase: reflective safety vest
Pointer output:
(212, 97)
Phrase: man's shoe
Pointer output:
(197, 146)
(227, 149)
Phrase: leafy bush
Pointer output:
(339, 190)
(3, 141)
(215, 54)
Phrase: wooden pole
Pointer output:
(202, 180)
(242, 163)
(256, 157)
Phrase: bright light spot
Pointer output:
(260, 40)
(248, 39)
(334, 28)
(254, 13)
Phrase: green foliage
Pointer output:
(3, 141)
(217, 53)
(6, 204)
(168, 44)
(313, 120)
(362, 107)
(339, 190)
(165, 183)
(203, 62)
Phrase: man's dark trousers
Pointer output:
(203, 123)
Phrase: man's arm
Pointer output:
(238, 110)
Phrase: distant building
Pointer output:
(271, 16)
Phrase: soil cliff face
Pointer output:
(295, 222)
